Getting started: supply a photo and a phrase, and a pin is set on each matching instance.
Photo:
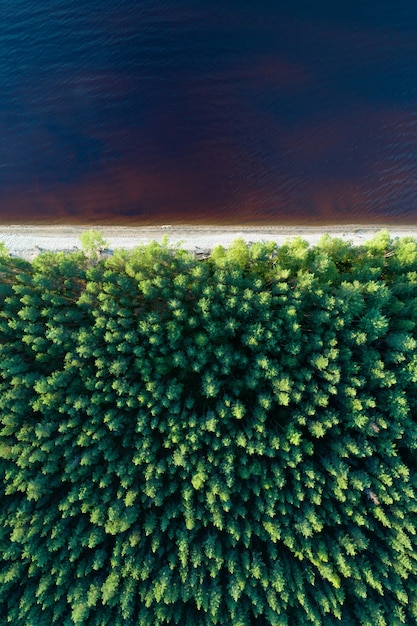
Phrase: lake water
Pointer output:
(226, 111)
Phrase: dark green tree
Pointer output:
(228, 441)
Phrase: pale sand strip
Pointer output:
(28, 241)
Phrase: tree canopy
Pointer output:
(225, 441)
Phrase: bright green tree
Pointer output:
(93, 243)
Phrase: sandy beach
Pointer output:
(28, 241)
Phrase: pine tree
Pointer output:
(206, 442)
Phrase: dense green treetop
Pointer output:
(228, 441)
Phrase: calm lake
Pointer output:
(220, 111)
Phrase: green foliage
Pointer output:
(229, 441)
(3, 249)
(93, 243)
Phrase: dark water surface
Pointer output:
(141, 111)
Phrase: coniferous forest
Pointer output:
(229, 441)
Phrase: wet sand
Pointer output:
(28, 241)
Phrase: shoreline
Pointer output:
(27, 241)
